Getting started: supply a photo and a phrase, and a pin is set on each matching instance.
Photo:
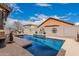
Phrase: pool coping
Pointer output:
(15, 48)
(71, 46)
(22, 42)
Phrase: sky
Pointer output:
(36, 13)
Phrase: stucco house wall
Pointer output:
(67, 31)
(64, 29)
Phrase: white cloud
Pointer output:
(60, 17)
(64, 3)
(55, 16)
(10, 21)
(43, 4)
(39, 22)
(38, 19)
(77, 23)
(33, 18)
(68, 16)
(41, 16)
(16, 8)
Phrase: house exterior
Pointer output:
(30, 28)
(4, 12)
(58, 28)
(52, 22)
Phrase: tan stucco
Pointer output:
(30, 29)
(54, 22)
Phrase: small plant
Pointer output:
(35, 32)
(44, 33)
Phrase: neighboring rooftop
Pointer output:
(30, 25)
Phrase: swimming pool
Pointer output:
(42, 46)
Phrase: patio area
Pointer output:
(15, 49)
(71, 46)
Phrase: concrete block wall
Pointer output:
(67, 31)
(30, 31)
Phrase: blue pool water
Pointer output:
(43, 46)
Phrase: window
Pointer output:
(54, 30)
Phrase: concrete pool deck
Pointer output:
(71, 46)
(22, 42)
(15, 49)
